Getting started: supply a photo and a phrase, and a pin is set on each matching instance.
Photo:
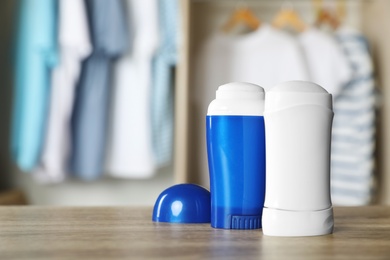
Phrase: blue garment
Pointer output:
(353, 133)
(36, 55)
(110, 39)
(162, 89)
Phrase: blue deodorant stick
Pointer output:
(236, 156)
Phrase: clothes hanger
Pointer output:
(325, 16)
(242, 15)
(341, 10)
(288, 17)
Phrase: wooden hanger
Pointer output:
(341, 10)
(242, 15)
(288, 17)
(327, 16)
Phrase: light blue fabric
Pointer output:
(36, 55)
(162, 89)
(353, 137)
(109, 34)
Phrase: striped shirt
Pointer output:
(353, 135)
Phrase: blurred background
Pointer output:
(103, 101)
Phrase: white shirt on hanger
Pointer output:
(327, 64)
(264, 57)
(75, 45)
(130, 153)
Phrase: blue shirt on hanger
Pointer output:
(36, 55)
(109, 36)
(162, 86)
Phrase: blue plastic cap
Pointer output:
(183, 203)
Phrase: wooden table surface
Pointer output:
(126, 232)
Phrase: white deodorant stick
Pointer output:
(298, 120)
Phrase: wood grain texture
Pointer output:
(125, 232)
(182, 97)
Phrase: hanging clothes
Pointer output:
(326, 62)
(74, 46)
(353, 137)
(36, 55)
(109, 33)
(264, 57)
(162, 90)
(130, 153)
